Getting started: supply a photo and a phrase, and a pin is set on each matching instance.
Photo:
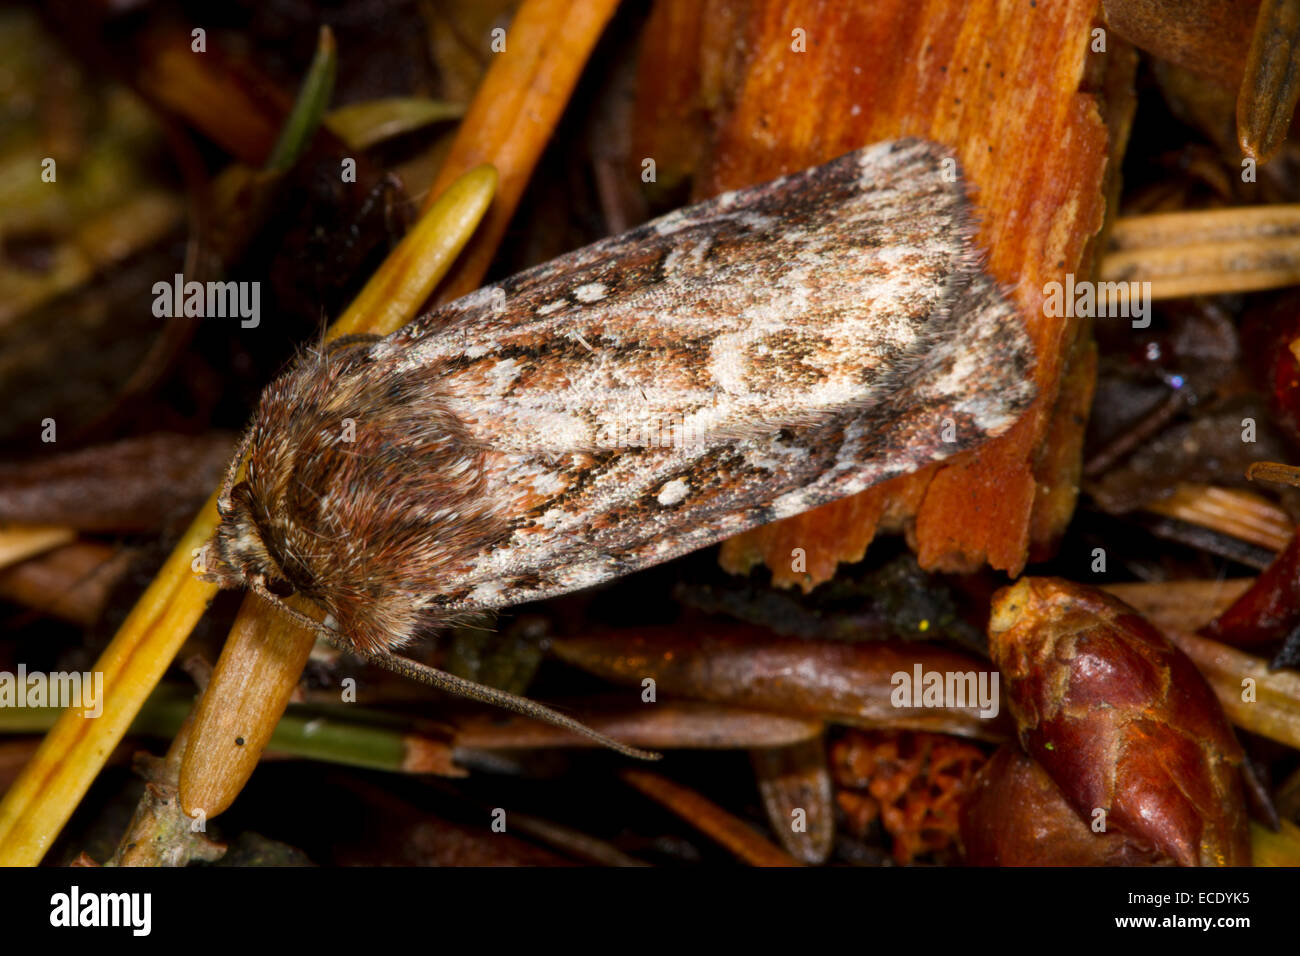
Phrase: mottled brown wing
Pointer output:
(788, 344)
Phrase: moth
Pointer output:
(729, 364)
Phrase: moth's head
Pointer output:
(238, 555)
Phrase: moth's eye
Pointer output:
(226, 504)
(241, 496)
(279, 587)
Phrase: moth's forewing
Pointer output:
(732, 363)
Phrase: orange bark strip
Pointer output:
(221, 96)
(671, 119)
(1000, 82)
(1059, 467)
(807, 556)
(746, 843)
(513, 114)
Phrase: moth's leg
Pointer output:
(258, 586)
(344, 342)
(397, 214)
(397, 206)
(223, 499)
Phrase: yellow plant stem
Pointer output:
(40, 801)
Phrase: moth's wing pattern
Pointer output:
(767, 307)
(789, 344)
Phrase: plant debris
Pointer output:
(1077, 644)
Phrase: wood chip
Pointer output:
(1181, 605)
(1236, 513)
(1206, 252)
(746, 843)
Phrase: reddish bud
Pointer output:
(1121, 720)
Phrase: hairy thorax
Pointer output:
(362, 492)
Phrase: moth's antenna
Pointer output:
(223, 499)
(424, 674)
(491, 695)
